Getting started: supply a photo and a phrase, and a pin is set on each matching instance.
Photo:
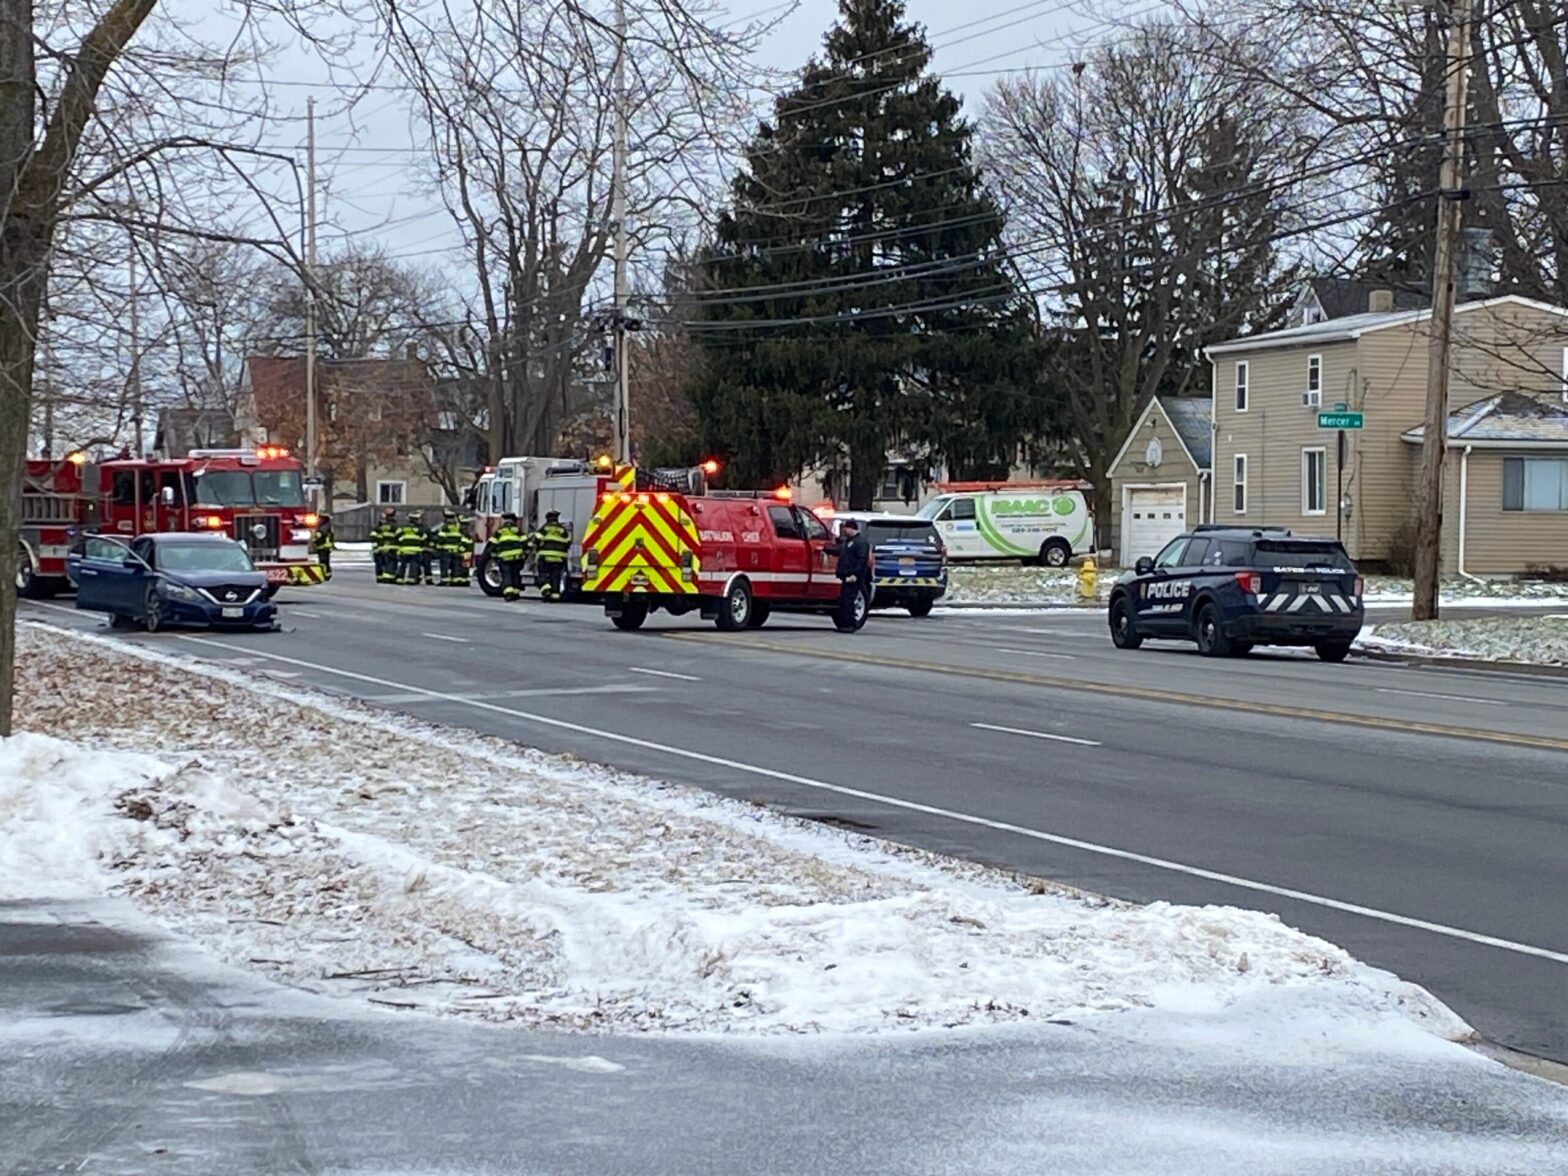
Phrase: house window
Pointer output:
(1314, 396)
(1535, 483)
(1314, 497)
(1241, 385)
(390, 493)
(1239, 484)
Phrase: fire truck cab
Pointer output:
(736, 557)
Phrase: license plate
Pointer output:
(233, 614)
(906, 562)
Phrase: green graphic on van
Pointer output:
(1021, 506)
(1064, 505)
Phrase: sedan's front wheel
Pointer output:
(152, 612)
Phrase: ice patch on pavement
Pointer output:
(347, 851)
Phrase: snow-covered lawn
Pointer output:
(1534, 640)
(1493, 593)
(345, 850)
(1013, 584)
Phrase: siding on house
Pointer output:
(1497, 541)
(1175, 468)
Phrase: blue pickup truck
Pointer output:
(908, 560)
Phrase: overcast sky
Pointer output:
(365, 158)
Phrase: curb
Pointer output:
(1021, 605)
(1462, 663)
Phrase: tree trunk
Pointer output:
(867, 458)
(19, 302)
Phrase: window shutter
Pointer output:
(1513, 483)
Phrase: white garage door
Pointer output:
(1154, 516)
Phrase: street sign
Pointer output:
(1340, 406)
(1340, 420)
(313, 484)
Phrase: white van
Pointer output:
(1036, 522)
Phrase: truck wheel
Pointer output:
(760, 612)
(633, 613)
(735, 611)
(30, 586)
(920, 606)
(1333, 651)
(488, 574)
(1054, 553)
(1124, 627)
(1209, 631)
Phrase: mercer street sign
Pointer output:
(1339, 420)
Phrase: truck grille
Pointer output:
(262, 544)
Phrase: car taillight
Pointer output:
(1250, 582)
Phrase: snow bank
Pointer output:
(1536, 640)
(348, 851)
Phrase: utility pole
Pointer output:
(623, 433)
(136, 354)
(310, 298)
(1434, 440)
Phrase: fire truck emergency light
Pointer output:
(77, 458)
(710, 467)
(309, 520)
(783, 494)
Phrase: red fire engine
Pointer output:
(256, 496)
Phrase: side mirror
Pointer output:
(167, 496)
(132, 564)
(1144, 566)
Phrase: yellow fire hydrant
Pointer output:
(1088, 581)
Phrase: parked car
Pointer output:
(908, 560)
(1230, 588)
(170, 579)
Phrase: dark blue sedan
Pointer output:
(172, 579)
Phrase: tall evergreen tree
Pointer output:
(856, 296)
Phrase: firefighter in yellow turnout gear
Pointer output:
(452, 547)
(552, 545)
(509, 547)
(413, 550)
(383, 547)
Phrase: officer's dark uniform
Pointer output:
(322, 544)
(451, 547)
(509, 547)
(552, 544)
(383, 547)
(854, 574)
(413, 550)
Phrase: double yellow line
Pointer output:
(1080, 686)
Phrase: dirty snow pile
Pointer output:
(1533, 640)
(1016, 584)
(1506, 593)
(347, 851)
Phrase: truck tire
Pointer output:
(487, 574)
(1055, 553)
(30, 585)
(631, 617)
(736, 609)
(921, 606)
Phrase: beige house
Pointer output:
(1507, 474)
(1160, 480)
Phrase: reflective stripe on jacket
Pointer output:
(553, 542)
(508, 545)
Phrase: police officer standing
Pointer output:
(509, 547)
(451, 543)
(412, 550)
(552, 545)
(854, 575)
(322, 544)
(383, 546)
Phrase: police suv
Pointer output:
(1230, 588)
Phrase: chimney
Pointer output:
(1475, 264)
(1380, 301)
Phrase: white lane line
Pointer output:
(1035, 653)
(1450, 697)
(1053, 632)
(299, 612)
(1036, 734)
(1318, 900)
(444, 637)
(663, 674)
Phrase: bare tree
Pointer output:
(518, 105)
(1143, 195)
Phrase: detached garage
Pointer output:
(1160, 479)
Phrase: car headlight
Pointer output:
(172, 591)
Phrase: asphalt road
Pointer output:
(1416, 816)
